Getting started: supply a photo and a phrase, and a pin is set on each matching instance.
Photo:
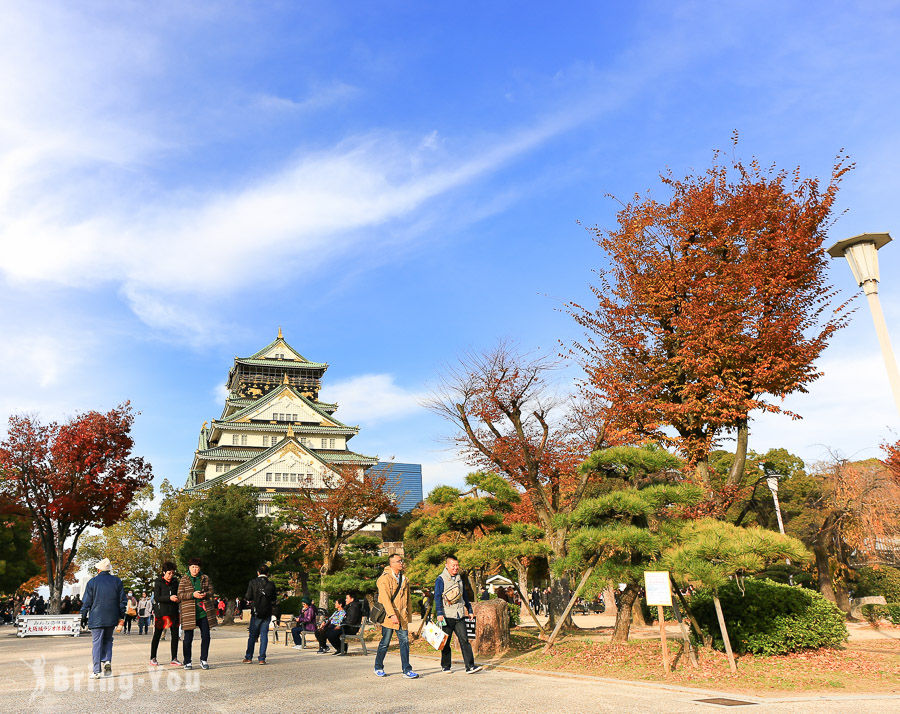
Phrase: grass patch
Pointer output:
(856, 667)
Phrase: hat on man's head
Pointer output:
(104, 565)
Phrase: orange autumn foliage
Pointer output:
(714, 305)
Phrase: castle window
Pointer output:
(243, 439)
(303, 440)
(234, 440)
(265, 441)
(324, 443)
(269, 477)
(293, 478)
(277, 478)
(218, 468)
(331, 443)
(227, 467)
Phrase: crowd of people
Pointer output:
(187, 605)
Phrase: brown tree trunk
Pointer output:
(559, 586)
(842, 597)
(230, 605)
(637, 617)
(701, 475)
(609, 600)
(736, 475)
(822, 565)
(491, 627)
(626, 611)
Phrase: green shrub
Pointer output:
(890, 612)
(883, 580)
(289, 606)
(784, 573)
(769, 618)
(515, 615)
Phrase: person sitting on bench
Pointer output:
(330, 631)
(305, 622)
(352, 620)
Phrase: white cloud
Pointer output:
(850, 409)
(372, 399)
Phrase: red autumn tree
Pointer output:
(715, 304)
(69, 477)
(330, 508)
(510, 421)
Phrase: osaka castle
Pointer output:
(274, 434)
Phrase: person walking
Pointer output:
(102, 610)
(451, 606)
(143, 611)
(261, 594)
(195, 597)
(394, 596)
(165, 606)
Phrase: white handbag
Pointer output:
(434, 635)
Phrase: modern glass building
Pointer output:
(404, 480)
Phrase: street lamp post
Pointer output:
(772, 482)
(862, 253)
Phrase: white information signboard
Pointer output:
(659, 592)
(34, 625)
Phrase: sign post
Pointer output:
(659, 593)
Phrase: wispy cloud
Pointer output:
(372, 399)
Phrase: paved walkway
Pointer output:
(50, 675)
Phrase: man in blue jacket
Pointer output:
(102, 609)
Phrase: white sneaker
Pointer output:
(298, 647)
(95, 675)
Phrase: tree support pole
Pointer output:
(525, 600)
(684, 634)
(662, 637)
(570, 606)
(724, 630)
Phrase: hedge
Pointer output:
(768, 618)
(883, 580)
(890, 612)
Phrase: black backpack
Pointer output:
(262, 603)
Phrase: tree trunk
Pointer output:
(842, 597)
(609, 600)
(491, 628)
(304, 582)
(701, 474)
(559, 586)
(820, 548)
(230, 605)
(637, 617)
(626, 611)
(736, 475)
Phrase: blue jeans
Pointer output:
(203, 626)
(402, 639)
(102, 645)
(259, 628)
(143, 625)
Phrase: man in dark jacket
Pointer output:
(351, 623)
(102, 609)
(261, 593)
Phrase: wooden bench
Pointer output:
(321, 616)
(360, 635)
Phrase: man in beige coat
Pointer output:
(393, 594)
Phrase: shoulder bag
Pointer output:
(377, 613)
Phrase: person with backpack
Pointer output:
(261, 594)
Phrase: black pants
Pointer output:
(331, 634)
(203, 626)
(459, 627)
(157, 634)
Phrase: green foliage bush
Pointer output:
(890, 612)
(515, 615)
(769, 618)
(879, 581)
(289, 606)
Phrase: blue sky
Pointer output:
(394, 183)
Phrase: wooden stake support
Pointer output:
(685, 636)
(724, 630)
(662, 635)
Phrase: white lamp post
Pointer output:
(862, 253)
